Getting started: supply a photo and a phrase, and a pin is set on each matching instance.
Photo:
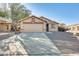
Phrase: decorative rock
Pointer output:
(12, 47)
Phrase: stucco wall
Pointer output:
(5, 27)
(55, 28)
(50, 26)
(44, 25)
(23, 26)
(39, 20)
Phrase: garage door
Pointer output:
(32, 27)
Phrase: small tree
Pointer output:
(18, 11)
(3, 14)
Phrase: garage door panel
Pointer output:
(33, 27)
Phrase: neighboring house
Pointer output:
(62, 27)
(74, 28)
(5, 25)
(37, 24)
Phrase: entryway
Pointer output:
(47, 27)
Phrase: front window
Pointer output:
(52, 25)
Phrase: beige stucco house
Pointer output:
(73, 28)
(4, 25)
(52, 25)
(37, 24)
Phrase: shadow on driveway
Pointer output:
(65, 42)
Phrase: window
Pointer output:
(52, 25)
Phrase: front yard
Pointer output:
(46, 43)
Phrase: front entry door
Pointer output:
(47, 27)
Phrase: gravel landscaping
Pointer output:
(11, 46)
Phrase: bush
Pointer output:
(3, 14)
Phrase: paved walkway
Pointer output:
(5, 35)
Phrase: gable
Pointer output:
(48, 20)
(33, 19)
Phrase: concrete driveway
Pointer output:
(50, 43)
(38, 44)
(67, 43)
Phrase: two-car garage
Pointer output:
(32, 24)
(32, 28)
(37, 24)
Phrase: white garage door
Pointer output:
(32, 27)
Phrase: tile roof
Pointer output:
(49, 19)
(39, 18)
(5, 20)
(30, 17)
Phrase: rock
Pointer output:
(12, 47)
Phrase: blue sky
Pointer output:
(60, 12)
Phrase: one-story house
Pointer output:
(62, 27)
(37, 24)
(73, 28)
(4, 25)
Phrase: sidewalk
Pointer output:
(5, 35)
